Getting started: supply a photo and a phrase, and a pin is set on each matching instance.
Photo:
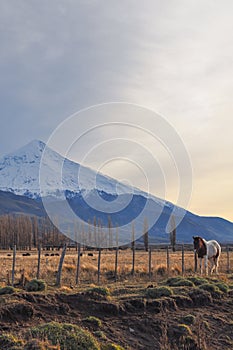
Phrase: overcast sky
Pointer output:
(174, 57)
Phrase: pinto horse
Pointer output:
(209, 250)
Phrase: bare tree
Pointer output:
(133, 249)
(110, 237)
(146, 235)
(173, 233)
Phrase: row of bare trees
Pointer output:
(29, 232)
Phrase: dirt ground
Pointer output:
(129, 318)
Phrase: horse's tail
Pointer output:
(216, 258)
(218, 253)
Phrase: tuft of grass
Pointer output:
(158, 292)
(67, 336)
(35, 286)
(161, 270)
(212, 288)
(176, 270)
(65, 289)
(8, 341)
(197, 281)
(223, 287)
(69, 267)
(183, 329)
(179, 282)
(103, 291)
(94, 321)
(100, 335)
(111, 346)
(35, 344)
(188, 319)
(7, 290)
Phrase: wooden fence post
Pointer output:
(149, 258)
(228, 259)
(99, 263)
(168, 261)
(116, 263)
(116, 255)
(13, 266)
(133, 260)
(183, 265)
(133, 249)
(155, 265)
(78, 264)
(58, 280)
(38, 262)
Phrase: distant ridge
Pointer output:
(11, 203)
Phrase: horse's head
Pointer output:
(196, 243)
(199, 246)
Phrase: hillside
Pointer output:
(11, 203)
(179, 313)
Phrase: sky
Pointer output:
(171, 57)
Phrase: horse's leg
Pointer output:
(200, 265)
(206, 265)
(213, 265)
(216, 265)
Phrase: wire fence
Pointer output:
(101, 266)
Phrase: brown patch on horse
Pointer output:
(201, 249)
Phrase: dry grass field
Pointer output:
(89, 266)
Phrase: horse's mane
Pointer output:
(203, 241)
(203, 249)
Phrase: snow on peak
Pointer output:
(19, 169)
(20, 172)
(29, 152)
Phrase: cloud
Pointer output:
(175, 57)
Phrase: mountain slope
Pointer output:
(19, 173)
(209, 227)
(21, 193)
(11, 203)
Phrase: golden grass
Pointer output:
(89, 266)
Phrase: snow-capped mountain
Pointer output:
(19, 174)
(19, 170)
(36, 180)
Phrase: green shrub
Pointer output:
(158, 292)
(68, 336)
(223, 287)
(179, 282)
(188, 319)
(94, 321)
(197, 281)
(7, 290)
(97, 293)
(212, 288)
(35, 286)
